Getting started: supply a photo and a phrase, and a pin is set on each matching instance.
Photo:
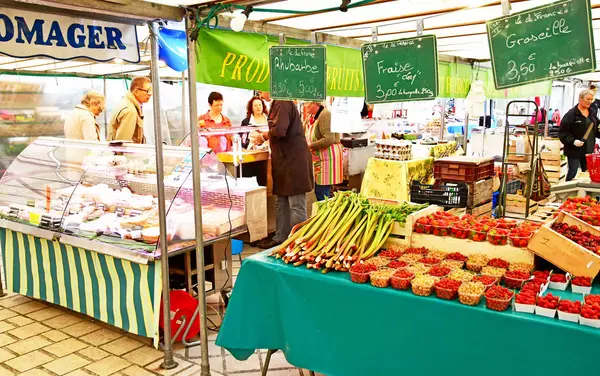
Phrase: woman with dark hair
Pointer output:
(214, 118)
(256, 112)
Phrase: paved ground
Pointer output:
(37, 339)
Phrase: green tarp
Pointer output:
(330, 325)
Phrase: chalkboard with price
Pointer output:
(543, 43)
(298, 72)
(401, 70)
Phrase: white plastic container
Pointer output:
(527, 308)
(580, 289)
(560, 286)
(589, 322)
(565, 316)
(545, 312)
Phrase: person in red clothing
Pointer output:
(214, 118)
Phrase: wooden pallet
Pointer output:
(469, 247)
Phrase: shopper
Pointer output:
(573, 128)
(595, 106)
(291, 167)
(256, 112)
(214, 118)
(327, 151)
(81, 123)
(266, 97)
(127, 123)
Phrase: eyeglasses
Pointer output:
(147, 91)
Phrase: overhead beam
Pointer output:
(137, 12)
(446, 27)
(290, 32)
(271, 29)
(291, 16)
(473, 23)
(409, 16)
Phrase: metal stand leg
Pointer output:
(168, 362)
(2, 292)
(267, 361)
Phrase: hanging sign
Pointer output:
(298, 72)
(543, 43)
(401, 70)
(27, 34)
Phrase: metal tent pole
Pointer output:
(190, 25)
(168, 362)
(105, 113)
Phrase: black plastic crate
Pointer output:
(448, 195)
(513, 186)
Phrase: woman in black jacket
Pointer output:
(573, 127)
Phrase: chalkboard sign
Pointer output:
(401, 70)
(542, 43)
(298, 72)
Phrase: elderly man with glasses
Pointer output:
(127, 123)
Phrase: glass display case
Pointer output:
(103, 197)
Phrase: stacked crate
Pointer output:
(476, 173)
(555, 164)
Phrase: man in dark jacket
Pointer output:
(291, 164)
(572, 133)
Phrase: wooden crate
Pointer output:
(564, 253)
(480, 192)
(402, 234)
(553, 149)
(480, 210)
(554, 167)
(469, 247)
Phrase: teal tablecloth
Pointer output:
(330, 325)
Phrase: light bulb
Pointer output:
(238, 22)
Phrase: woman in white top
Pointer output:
(256, 113)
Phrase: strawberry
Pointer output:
(558, 278)
(569, 306)
(549, 301)
(582, 281)
(526, 297)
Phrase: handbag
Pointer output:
(541, 185)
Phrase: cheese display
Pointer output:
(109, 194)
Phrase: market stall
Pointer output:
(81, 221)
(370, 331)
(89, 210)
(474, 280)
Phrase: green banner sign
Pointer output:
(401, 70)
(543, 43)
(454, 80)
(298, 72)
(241, 60)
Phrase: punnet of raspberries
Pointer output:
(526, 297)
(558, 278)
